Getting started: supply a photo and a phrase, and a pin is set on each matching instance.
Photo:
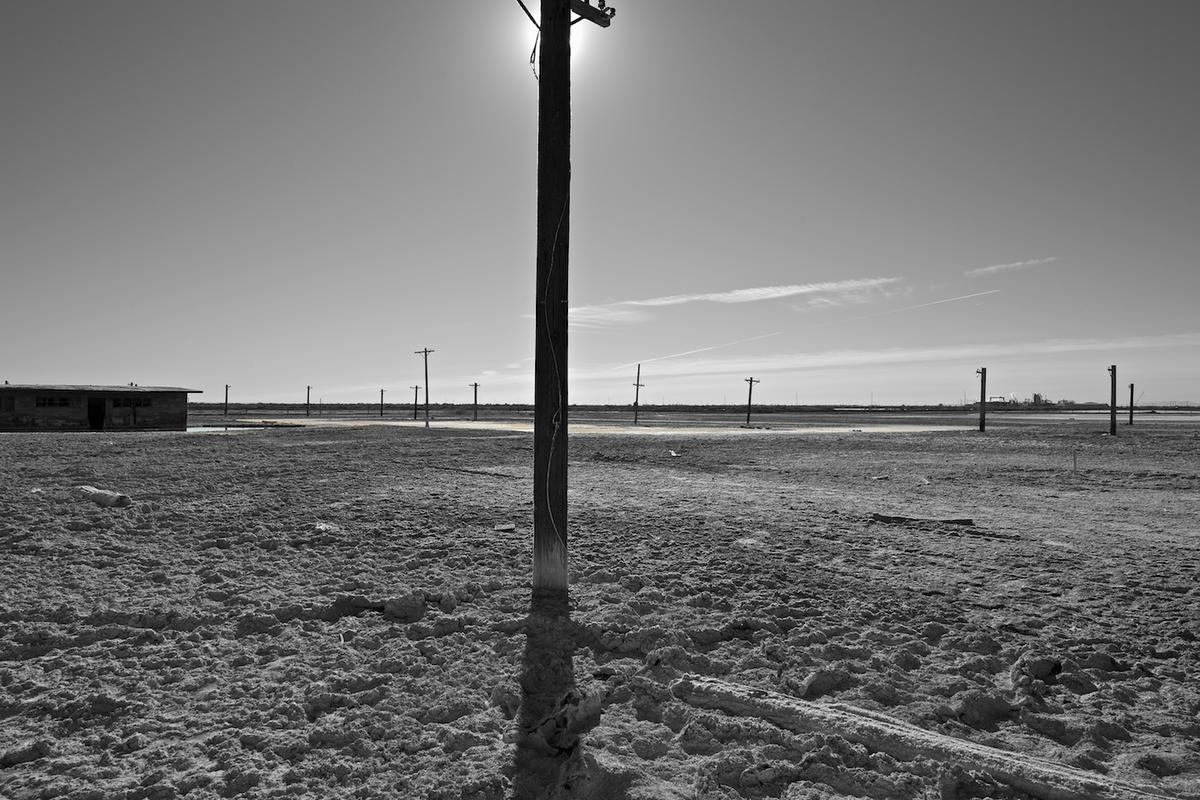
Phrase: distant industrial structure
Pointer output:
(34, 407)
(1038, 400)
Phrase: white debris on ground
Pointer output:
(104, 497)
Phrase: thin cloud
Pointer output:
(852, 298)
(932, 303)
(626, 311)
(684, 366)
(995, 268)
(841, 359)
(758, 293)
(698, 350)
(597, 317)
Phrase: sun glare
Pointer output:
(524, 35)
(581, 38)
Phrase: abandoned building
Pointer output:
(30, 407)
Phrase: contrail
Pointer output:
(1006, 267)
(698, 350)
(934, 303)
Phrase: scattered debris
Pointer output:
(748, 541)
(879, 732)
(405, 608)
(894, 520)
(960, 526)
(104, 498)
(486, 472)
(26, 752)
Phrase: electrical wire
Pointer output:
(560, 406)
(533, 55)
(526, 10)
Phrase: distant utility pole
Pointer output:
(749, 396)
(1112, 403)
(982, 373)
(226, 412)
(475, 402)
(637, 388)
(414, 388)
(1131, 404)
(425, 352)
(381, 403)
(307, 401)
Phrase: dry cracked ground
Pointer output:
(318, 613)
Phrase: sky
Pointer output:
(852, 201)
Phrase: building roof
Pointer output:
(126, 389)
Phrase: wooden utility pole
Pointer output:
(637, 388)
(425, 352)
(307, 401)
(540, 765)
(226, 411)
(749, 397)
(475, 402)
(1112, 403)
(415, 389)
(1131, 404)
(550, 311)
(982, 373)
(381, 403)
(550, 305)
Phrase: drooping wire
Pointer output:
(560, 407)
(536, 40)
(533, 55)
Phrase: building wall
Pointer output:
(26, 410)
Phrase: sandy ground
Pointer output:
(340, 611)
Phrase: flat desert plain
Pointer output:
(341, 612)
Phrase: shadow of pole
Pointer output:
(549, 763)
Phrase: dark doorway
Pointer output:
(96, 413)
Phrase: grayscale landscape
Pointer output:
(589, 400)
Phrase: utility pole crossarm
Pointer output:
(601, 15)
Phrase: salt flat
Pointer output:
(331, 611)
